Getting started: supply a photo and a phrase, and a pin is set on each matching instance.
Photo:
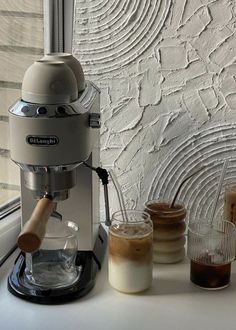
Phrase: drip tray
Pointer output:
(89, 262)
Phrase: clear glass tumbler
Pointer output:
(211, 249)
(53, 265)
(130, 251)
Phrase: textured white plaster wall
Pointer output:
(167, 73)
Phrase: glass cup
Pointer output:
(53, 265)
(168, 231)
(130, 251)
(211, 249)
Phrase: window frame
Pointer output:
(58, 36)
(58, 25)
(10, 227)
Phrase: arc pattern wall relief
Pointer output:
(167, 73)
(205, 151)
(111, 34)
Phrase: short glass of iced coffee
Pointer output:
(130, 251)
(211, 249)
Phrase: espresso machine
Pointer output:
(54, 134)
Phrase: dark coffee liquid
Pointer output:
(210, 276)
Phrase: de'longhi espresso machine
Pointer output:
(54, 134)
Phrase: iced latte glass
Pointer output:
(211, 249)
(130, 251)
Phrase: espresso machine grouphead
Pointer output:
(54, 130)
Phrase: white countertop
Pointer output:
(172, 303)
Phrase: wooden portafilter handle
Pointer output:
(34, 229)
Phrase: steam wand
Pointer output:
(103, 176)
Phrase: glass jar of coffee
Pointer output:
(130, 251)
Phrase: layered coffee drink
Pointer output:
(130, 256)
(168, 231)
(230, 203)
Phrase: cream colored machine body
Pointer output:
(54, 128)
(49, 148)
(54, 132)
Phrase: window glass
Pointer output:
(21, 43)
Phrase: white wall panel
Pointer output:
(167, 72)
